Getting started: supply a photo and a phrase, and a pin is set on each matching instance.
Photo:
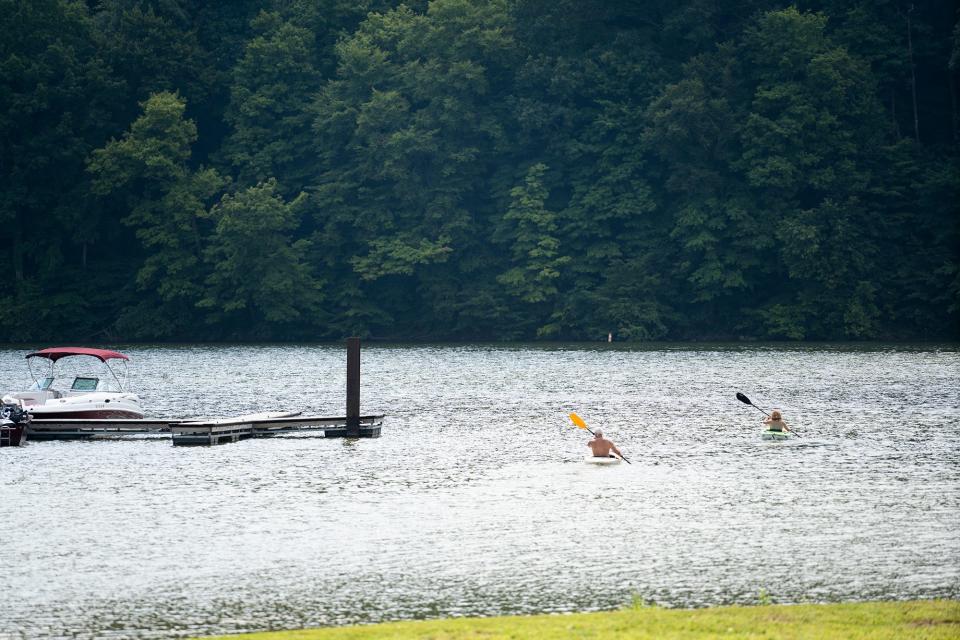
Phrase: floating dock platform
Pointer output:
(232, 430)
(205, 432)
(77, 429)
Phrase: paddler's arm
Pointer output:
(613, 447)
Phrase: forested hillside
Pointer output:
(474, 170)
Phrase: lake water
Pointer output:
(476, 502)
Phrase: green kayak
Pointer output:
(776, 435)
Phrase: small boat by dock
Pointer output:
(91, 408)
(91, 396)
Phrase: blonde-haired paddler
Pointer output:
(775, 422)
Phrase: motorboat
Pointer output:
(91, 396)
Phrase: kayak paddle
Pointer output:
(745, 400)
(577, 420)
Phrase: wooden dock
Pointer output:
(203, 432)
(66, 429)
(222, 431)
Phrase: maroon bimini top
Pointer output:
(55, 353)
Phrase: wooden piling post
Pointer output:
(353, 388)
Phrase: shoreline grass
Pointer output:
(926, 619)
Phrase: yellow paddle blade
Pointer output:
(577, 420)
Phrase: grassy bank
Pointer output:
(933, 619)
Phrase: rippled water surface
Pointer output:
(475, 501)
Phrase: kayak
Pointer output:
(600, 460)
(250, 417)
(776, 435)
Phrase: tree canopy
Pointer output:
(479, 170)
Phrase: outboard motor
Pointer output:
(13, 423)
(14, 413)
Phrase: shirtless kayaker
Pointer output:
(775, 422)
(602, 447)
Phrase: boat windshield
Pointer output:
(84, 384)
(42, 384)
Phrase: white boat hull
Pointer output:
(101, 405)
(601, 460)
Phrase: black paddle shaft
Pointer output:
(745, 400)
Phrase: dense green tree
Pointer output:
(531, 231)
(257, 272)
(56, 94)
(152, 46)
(328, 21)
(813, 125)
(407, 133)
(148, 170)
(273, 85)
(722, 238)
(580, 95)
(781, 198)
(492, 169)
